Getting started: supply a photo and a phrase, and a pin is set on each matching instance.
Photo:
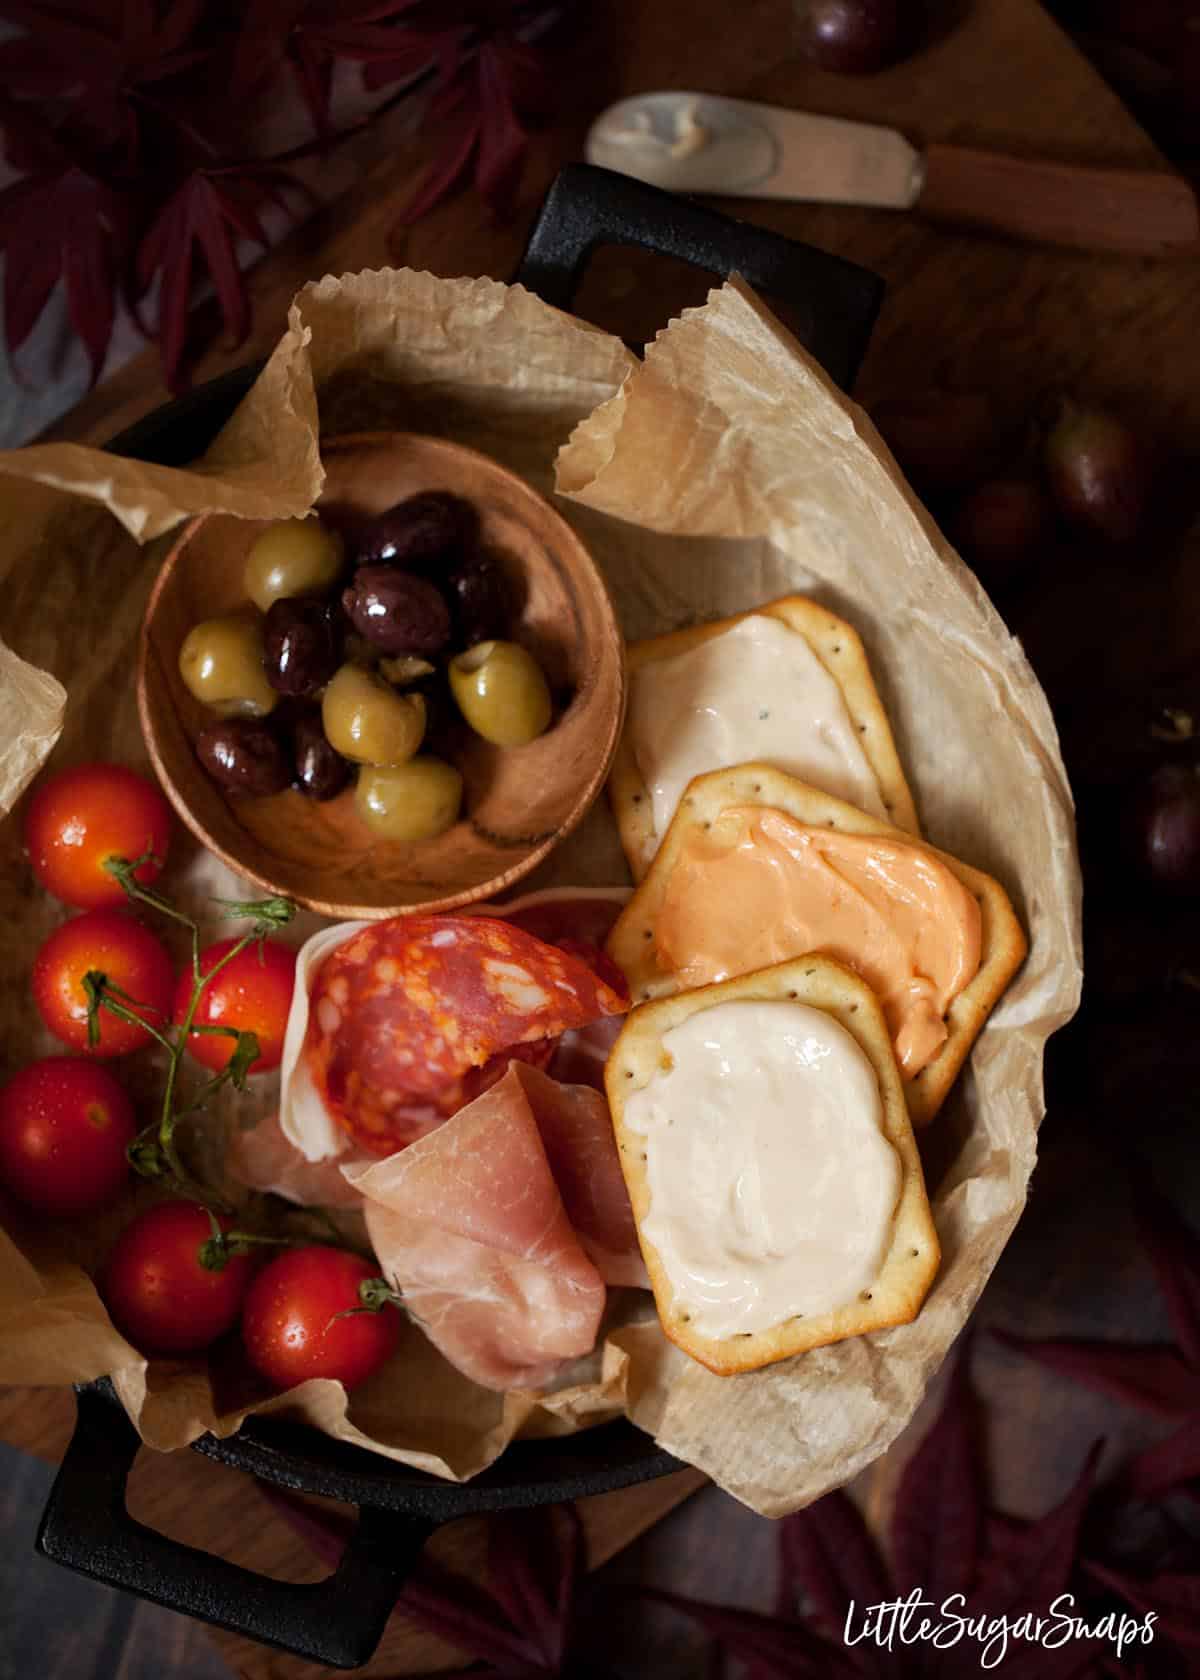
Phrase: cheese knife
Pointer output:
(703, 143)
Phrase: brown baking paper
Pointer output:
(723, 471)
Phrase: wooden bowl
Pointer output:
(519, 802)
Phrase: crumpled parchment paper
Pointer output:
(720, 472)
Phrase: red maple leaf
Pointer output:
(943, 1542)
(103, 59)
(60, 222)
(1158, 1377)
(196, 230)
(491, 83)
(310, 36)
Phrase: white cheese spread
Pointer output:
(756, 693)
(772, 1186)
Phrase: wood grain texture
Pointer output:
(1139, 210)
(964, 310)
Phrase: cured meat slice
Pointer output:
(263, 1158)
(577, 1135)
(469, 1224)
(579, 919)
(402, 1011)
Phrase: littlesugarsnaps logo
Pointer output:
(917, 1620)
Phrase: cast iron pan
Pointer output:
(339, 1621)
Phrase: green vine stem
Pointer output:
(153, 1153)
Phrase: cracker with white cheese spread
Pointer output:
(910, 1253)
(838, 648)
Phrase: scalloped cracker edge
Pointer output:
(632, 947)
(838, 647)
(913, 1255)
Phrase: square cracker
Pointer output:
(837, 646)
(631, 943)
(912, 1256)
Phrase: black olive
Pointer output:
(321, 771)
(479, 602)
(244, 755)
(300, 645)
(420, 534)
(396, 611)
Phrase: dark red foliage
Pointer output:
(131, 122)
(199, 225)
(528, 1618)
(490, 84)
(944, 1541)
(1155, 1376)
(309, 37)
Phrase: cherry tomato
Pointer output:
(64, 1127)
(117, 946)
(252, 993)
(157, 1290)
(83, 816)
(289, 1325)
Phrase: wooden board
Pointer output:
(963, 310)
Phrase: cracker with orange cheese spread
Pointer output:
(771, 1165)
(791, 686)
(758, 868)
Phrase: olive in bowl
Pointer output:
(221, 661)
(293, 557)
(421, 533)
(396, 611)
(369, 722)
(324, 852)
(501, 692)
(300, 645)
(414, 801)
(244, 755)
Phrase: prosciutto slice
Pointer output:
(470, 1225)
(577, 1135)
(265, 1159)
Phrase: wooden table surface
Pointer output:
(960, 310)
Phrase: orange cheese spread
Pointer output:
(760, 888)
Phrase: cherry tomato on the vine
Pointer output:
(157, 1289)
(83, 816)
(64, 1127)
(252, 993)
(133, 960)
(290, 1327)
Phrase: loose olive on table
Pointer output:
(221, 661)
(396, 611)
(419, 532)
(300, 645)
(501, 692)
(294, 557)
(321, 771)
(369, 722)
(414, 801)
(244, 755)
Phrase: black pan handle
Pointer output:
(836, 302)
(338, 1621)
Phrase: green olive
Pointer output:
(404, 668)
(294, 557)
(501, 692)
(221, 661)
(414, 801)
(369, 722)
